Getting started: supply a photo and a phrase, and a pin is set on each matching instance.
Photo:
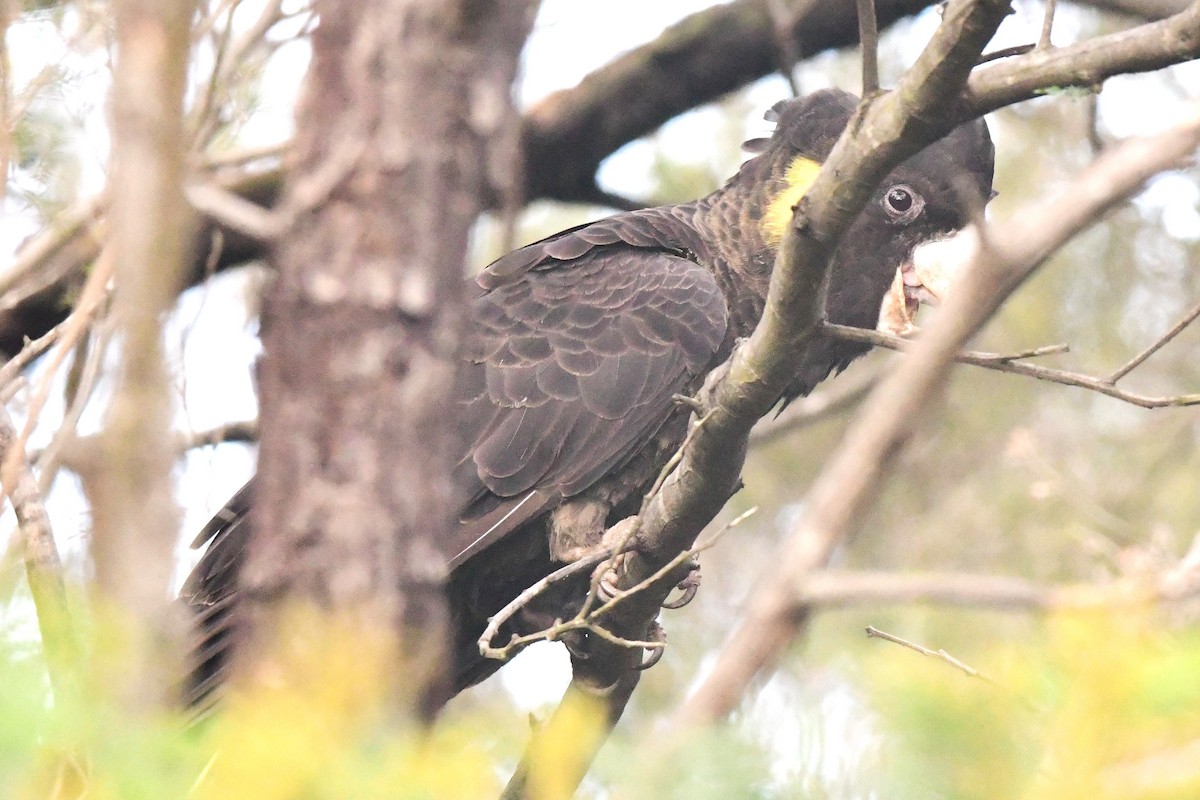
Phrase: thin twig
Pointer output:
(1187, 319)
(523, 599)
(78, 396)
(73, 327)
(940, 655)
(79, 219)
(1002, 363)
(12, 368)
(42, 563)
(868, 37)
(1006, 52)
(1047, 25)
(586, 618)
(666, 569)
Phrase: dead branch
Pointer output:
(856, 473)
(43, 567)
(940, 655)
(1002, 363)
(12, 368)
(868, 40)
(77, 392)
(1144, 48)
(1187, 319)
(1047, 25)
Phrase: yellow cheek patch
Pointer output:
(799, 177)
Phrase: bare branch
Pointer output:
(524, 598)
(245, 431)
(34, 255)
(231, 211)
(43, 567)
(940, 655)
(77, 392)
(868, 38)
(1141, 49)
(857, 472)
(1187, 319)
(1047, 25)
(12, 368)
(1004, 363)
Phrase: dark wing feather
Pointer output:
(211, 594)
(553, 400)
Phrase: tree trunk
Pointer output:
(407, 109)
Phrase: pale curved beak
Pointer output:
(926, 278)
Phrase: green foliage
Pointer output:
(1092, 707)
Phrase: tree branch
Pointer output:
(1187, 319)
(1144, 48)
(868, 40)
(43, 567)
(130, 490)
(856, 473)
(940, 655)
(1001, 363)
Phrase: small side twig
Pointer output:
(32, 349)
(523, 599)
(940, 655)
(1006, 52)
(1187, 319)
(233, 211)
(868, 37)
(42, 563)
(666, 569)
(1006, 363)
(1047, 25)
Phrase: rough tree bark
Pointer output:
(360, 328)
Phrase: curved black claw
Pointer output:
(654, 633)
(610, 573)
(689, 586)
